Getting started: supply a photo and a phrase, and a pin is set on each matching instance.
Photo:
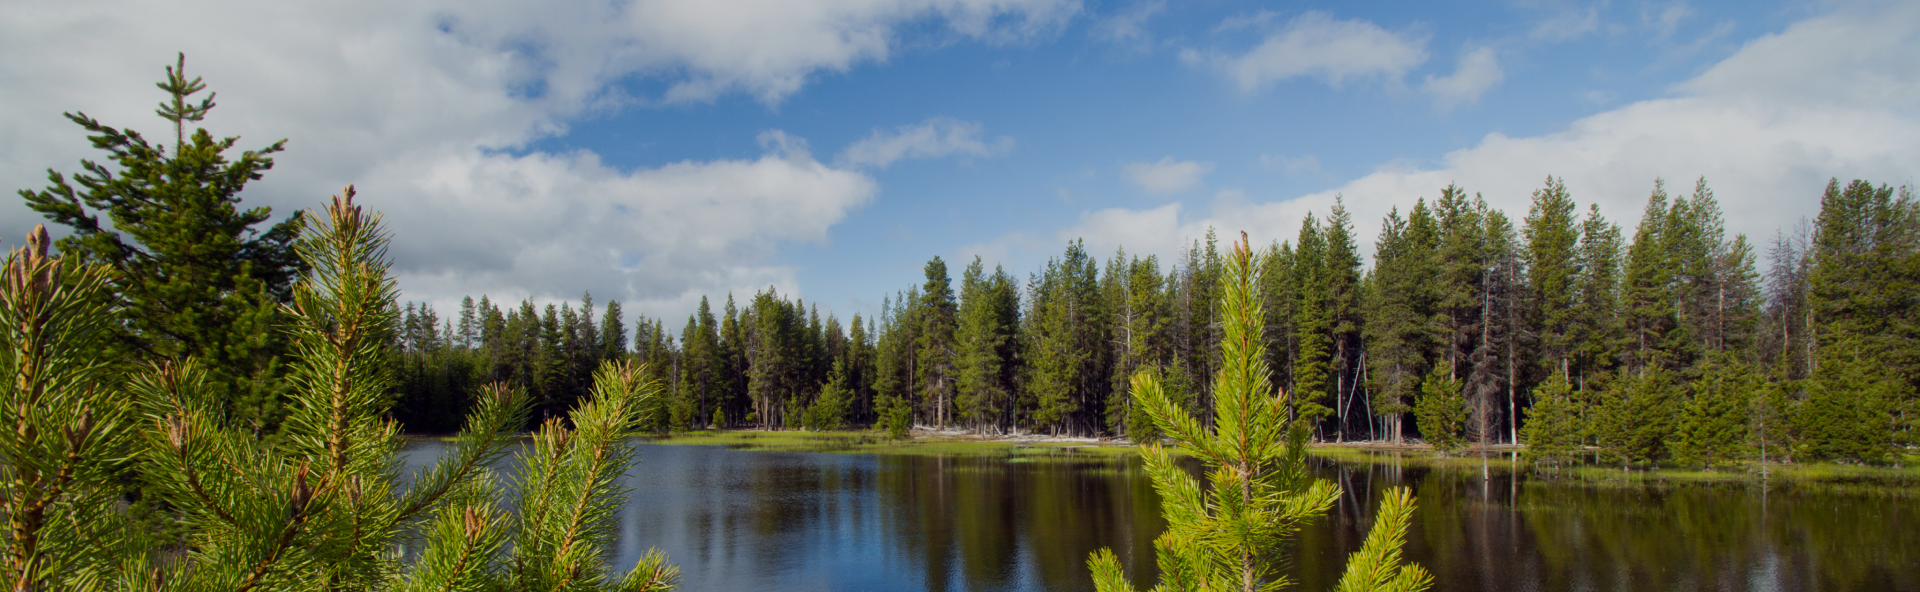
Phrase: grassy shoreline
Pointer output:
(1904, 478)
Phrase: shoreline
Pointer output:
(1503, 458)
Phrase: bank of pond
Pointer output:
(788, 511)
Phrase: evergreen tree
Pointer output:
(66, 439)
(1232, 535)
(1400, 302)
(196, 277)
(1596, 326)
(1552, 272)
(325, 510)
(1441, 411)
(1553, 432)
(1312, 323)
(989, 314)
(1647, 300)
(935, 350)
(1638, 417)
(1848, 413)
(1714, 427)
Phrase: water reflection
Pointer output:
(743, 520)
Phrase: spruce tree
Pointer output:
(1441, 410)
(1714, 423)
(1553, 432)
(1231, 536)
(933, 367)
(1552, 271)
(197, 276)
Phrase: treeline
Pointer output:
(1559, 329)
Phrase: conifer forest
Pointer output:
(1651, 340)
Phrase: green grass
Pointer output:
(1901, 479)
(868, 442)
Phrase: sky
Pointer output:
(658, 151)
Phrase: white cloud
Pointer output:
(1306, 164)
(1667, 20)
(1568, 24)
(1319, 45)
(1129, 25)
(428, 106)
(936, 137)
(1478, 72)
(1831, 96)
(1167, 176)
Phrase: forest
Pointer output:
(1559, 330)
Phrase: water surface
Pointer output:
(776, 521)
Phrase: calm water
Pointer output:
(746, 520)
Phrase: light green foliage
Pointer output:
(324, 507)
(66, 425)
(896, 416)
(1715, 422)
(1229, 536)
(1638, 416)
(1849, 410)
(1441, 410)
(829, 408)
(1553, 431)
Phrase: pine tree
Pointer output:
(325, 510)
(1553, 432)
(1714, 423)
(934, 374)
(1400, 302)
(988, 316)
(66, 439)
(1552, 271)
(1230, 536)
(196, 276)
(1312, 323)
(1638, 416)
(1441, 411)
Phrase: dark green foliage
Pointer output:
(1553, 432)
(1552, 271)
(986, 346)
(1441, 411)
(196, 275)
(1400, 302)
(934, 351)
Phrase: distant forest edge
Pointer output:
(1560, 332)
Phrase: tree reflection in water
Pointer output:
(744, 520)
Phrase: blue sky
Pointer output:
(654, 151)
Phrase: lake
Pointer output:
(766, 521)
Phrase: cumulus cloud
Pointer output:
(1830, 96)
(1316, 44)
(1478, 72)
(1168, 176)
(936, 137)
(429, 105)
